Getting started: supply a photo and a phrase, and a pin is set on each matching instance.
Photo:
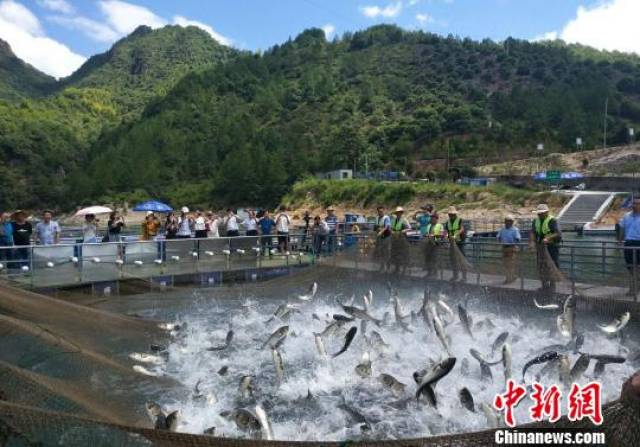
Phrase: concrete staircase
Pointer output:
(583, 208)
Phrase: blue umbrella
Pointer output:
(153, 205)
(540, 176)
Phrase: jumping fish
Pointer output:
(498, 342)
(564, 369)
(276, 338)
(146, 358)
(546, 306)
(506, 361)
(355, 415)
(279, 364)
(485, 371)
(491, 414)
(368, 299)
(226, 344)
(320, 345)
(569, 313)
(247, 421)
(265, 423)
(544, 358)
(579, 367)
(246, 386)
(429, 381)
(616, 325)
(437, 326)
(360, 314)
(397, 310)
(447, 310)
(376, 341)
(465, 319)
(344, 318)
(466, 399)
(347, 341)
(310, 294)
(393, 384)
(363, 369)
(142, 370)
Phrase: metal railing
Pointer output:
(76, 263)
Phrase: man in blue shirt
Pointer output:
(266, 224)
(424, 219)
(382, 229)
(47, 231)
(6, 237)
(509, 237)
(629, 232)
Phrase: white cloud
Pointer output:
(61, 6)
(551, 35)
(329, 29)
(610, 25)
(121, 18)
(389, 11)
(424, 18)
(96, 30)
(22, 30)
(183, 21)
(125, 17)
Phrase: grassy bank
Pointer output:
(313, 193)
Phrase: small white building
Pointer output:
(338, 174)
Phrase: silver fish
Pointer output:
(465, 319)
(265, 423)
(506, 361)
(363, 369)
(172, 420)
(466, 399)
(392, 384)
(226, 344)
(320, 345)
(368, 299)
(569, 312)
(546, 306)
(563, 326)
(376, 341)
(447, 310)
(311, 293)
(246, 386)
(437, 326)
(276, 338)
(564, 369)
(279, 364)
(498, 342)
(429, 381)
(360, 314)
(246, 421)
(616, 325)
(579, 367)
(493, 418)
(397, 310)
(546, 370)
(355, 415)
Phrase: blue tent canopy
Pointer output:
(570, 175)
(153, 205)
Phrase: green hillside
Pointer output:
(19, 80)
(44, 142)
(242, 132)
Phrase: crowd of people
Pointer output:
(318, 233)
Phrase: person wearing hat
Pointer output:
(22, 231)
(332, 222)
(629, 233)
(399, 244)
(150, 226)
(509, 237)
(382, 230)
(545, 235)
(185, 224)
(423, 217)
(435, 234)
(454, 228)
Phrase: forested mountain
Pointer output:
(241, 131)
(44, 142)
(19, 80)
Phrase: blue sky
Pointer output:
(57, 35)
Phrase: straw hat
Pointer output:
(185, 209)
(510, 217)
(399, 210)
(452, 210)
(149, 213)
(330, 208)
(542, 208)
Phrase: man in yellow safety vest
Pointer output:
(546, 235)
(456, 235)
(399, 244)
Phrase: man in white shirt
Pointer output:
(231, 224)
(251, 224)
(185, 224)
(47, 231)
(200, 225)
(282, 227)
(212, 223)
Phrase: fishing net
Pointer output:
(66, 377)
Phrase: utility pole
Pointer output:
(606, 110)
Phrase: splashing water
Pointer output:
(333, 382)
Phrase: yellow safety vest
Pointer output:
(397, 224)
(542, 228)
(454, 227)
(436, 230)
